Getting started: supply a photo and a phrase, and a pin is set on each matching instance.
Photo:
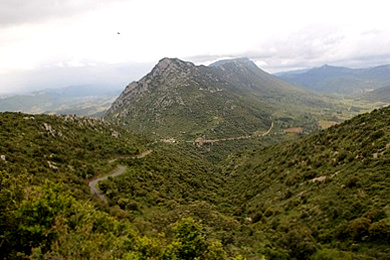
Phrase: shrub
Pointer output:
(358, 228)
(352, 182)
(331, 254)
(380, 230)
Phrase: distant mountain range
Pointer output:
(340, 80)
(227, 98)
(82, 100)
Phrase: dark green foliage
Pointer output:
(167, 174)
(380, 230)
(332, 254)
(45, 222)
(358, 228)
(190, 240)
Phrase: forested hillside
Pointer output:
(46, 211)
(322, 196)
(64, 149)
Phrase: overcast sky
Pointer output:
(56, 43)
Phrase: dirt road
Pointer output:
(92, 184)
(121, 169)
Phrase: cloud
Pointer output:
(277, 35)
(17, 12)
(115, 76)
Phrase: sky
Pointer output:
(58, 43)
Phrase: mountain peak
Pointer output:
(166, 65)
(237, 61)
(166, 62)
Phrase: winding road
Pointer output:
(207, 141)
(121, 169)
(269, 130)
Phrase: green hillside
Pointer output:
(64, 149)
(48, 212)
(324, 196)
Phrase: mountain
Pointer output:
(84, 100)
(340, 80)
(226, 99)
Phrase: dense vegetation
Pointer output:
(45, 222)
(65, 149)
(45, 208)
(322, 196)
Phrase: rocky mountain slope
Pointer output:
(225, 99)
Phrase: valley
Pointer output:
(200, 162)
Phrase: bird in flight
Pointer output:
(118, 33)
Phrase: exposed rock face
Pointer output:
(166, 73)
(177, 98)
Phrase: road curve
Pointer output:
(121, 169)
(269, 130)
(92, 184)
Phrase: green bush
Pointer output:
(380, 230)
(358, 228)
(331, 254)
